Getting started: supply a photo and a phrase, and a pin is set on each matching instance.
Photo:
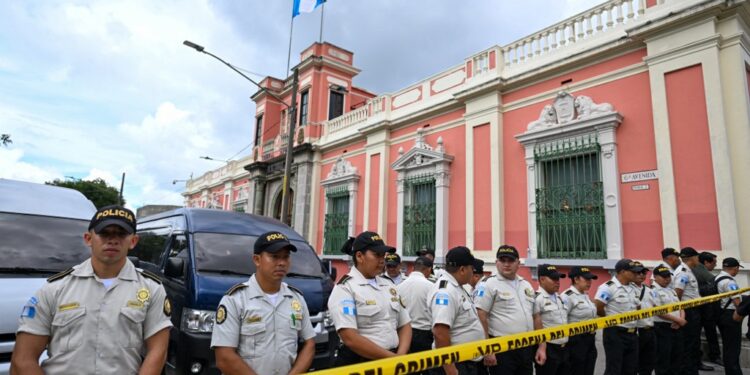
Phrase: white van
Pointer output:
(41, 233)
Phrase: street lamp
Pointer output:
(292, 109)
(210, 158)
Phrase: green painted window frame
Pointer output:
(419, 214)
(336, 227)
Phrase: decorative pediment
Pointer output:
(568, 109)
(422, 155)
(342, 171)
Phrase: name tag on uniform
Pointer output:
(371, 302)
(68, 306)
(135, 304)
(253, 319)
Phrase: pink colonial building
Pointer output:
(614, 133)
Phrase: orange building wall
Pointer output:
(482, 188)
(697, 214)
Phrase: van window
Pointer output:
(218, 252)
(41, 242)
(150, 247)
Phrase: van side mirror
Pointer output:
(135, 260)
(328, 265)
(175, 267)
(334, 273)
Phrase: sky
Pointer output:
(94, 89)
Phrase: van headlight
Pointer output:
(198, 321)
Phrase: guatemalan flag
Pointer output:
(305, 6)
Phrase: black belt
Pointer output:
(662, 324)
(644, 328)
(558, 346)
(625, 330)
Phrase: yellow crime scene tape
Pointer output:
(411, 363)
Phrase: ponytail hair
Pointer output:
(346, 248)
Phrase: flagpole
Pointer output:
(289, 54)
(322, 11)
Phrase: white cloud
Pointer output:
(13, 168)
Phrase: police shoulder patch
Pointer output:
(167, 308)
(221, 314)
(60, 275)
(443, 284)
(568, 292)
(235, 288)
(151, 276)
(344, 279)
(610, 283)
(295, 289)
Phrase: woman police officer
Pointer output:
(366, 308)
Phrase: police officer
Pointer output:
(393, 268)
(259, 322)
(414, 292)
(615, 297)
(686, 286)
(454, 317)
(472, 286)
(506, 308)
(709, 311)
(731, 330)
(671, 258)
(582, 348)
(667, 326)
(646, 338)
(366, 309)
(549, 311)
(99, 316)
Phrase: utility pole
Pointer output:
(286, 201)
(122, 185)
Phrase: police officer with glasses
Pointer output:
(506, 308)
(731, 330)
(366, 309)
(454, 317)
(579, 307)
(552, 358)
(615, 297)
(260, 321)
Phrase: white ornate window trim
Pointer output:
(423, 160)
(343, 174)
(566, 118)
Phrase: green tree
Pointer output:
(95, 190)
(5, 140)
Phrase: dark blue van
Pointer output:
(200, 254)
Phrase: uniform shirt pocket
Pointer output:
(132, 326)
(367, 313)
(251, 339)
(67, 330)
(549, 307)
(506, 299)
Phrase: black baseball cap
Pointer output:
(731, 262)
(550, 271)
(459, 256)
(585, 272)
(272, 242)
(639, 264)
(423, 261)
(663, 271)
(688, 252)
(392, 259)
(669, 251)
(478, 266)
(425, 250)
(371, 241)
(507, 251)
(113, 215)
(628, 265)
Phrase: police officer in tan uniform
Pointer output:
(393, 269)
(615, 297)
(454, 317)
(259, 322)
(366, 308)
(549, 311)
(100, 316)
(582, 348)
(505, 307)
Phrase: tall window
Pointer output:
(336, 220)
(335, 105)
(419, 214)
(303, 108)
(570, 200)
(258, 129)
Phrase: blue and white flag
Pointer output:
(305, 6)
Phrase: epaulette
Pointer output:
(344, 280)
(485, 278)
(443, 283)
(389, 279)
(568, 292)
(610, 283)
(151, 276)
(294, 289)
(60, 275)
(235, 288)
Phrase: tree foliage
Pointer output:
(95, 190)
(5, 140)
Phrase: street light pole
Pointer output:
(285, 196)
